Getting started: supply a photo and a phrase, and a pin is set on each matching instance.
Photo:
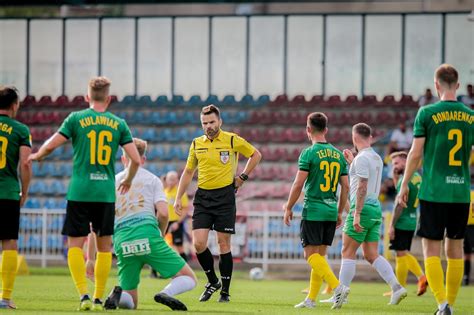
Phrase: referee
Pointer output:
(215, 154)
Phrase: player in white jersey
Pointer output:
(138, 240)
(362, 226)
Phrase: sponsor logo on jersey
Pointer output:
(225, 157)
(98, 176)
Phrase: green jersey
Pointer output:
(407, 220)
(449, 136)
(95, 141)
(325, 165)
(13, 135)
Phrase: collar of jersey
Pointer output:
(219, 137)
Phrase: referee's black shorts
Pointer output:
(80, 214)
(215, 209)
(469, 240)
(10, 222)
(317, 232)
(440, 218)
(402, 240)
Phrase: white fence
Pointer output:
(261, 238)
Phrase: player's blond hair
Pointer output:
(141, 146)
(99, 89)
(447, 75)
(401, 154)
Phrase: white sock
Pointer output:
(442, 306)
(179, 285)
(385, 270)
(347, 272)
(126, 301)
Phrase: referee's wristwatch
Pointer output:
(243, 177)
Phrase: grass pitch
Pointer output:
(51, 291)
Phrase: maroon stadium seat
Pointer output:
(388, 101)
(298, 101)
(315, 102)
(385, 118)
(334, 101)
(351, 101)
(62, 101)
(369, 101)
(279, 101)
(79, 101)
(365, 117)
(407, 101)
(45, 101)
(29, 101)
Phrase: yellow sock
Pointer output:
(401, 270)
(77, 267)
(435, 276)
(314, 285)
(321, 266)
(9, 266)
(414, 266)
(101, 271)
(454, 274)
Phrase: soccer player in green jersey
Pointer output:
(321, 168)
(444, 136)
(15, 147)
(403, 226)
(362, 226)
(96, 136)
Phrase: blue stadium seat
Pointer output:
(178, 100)
(38, 187)
(262, 100)
(171, 118)
(247, 100)
(228, 100)
(32, 203)
(195, 100)
(50, 203)
(128, 100)
(153, 168)
(212, 99)
(174, 153)
(122, 114)
(149, 134)
(157, 118)
(183, 134)
(62, 204)
(145, 100)
(163, 100)
(197, 132)
(241, 116)
(38, 171)
(57, 187)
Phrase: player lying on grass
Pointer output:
(138, 240)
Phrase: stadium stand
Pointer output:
(169, 124)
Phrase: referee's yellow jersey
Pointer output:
(217, 160)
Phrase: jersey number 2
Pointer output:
(331, 175)
(3, 152)
(451, 135)
(100, 152)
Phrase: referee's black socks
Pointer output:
(207, 263)
(226, 265)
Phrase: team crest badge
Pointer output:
(225, 157)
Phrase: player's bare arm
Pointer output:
(413, 162)
(360, 199)
(162, 215)
(397, 212)
(135, 160)
(295, 193)
(25, 173)
(184, 182)
(48, 147)
(342, 203)
(251, 164)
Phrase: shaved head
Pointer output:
(172, 179)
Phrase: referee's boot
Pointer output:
(210, 289)
(171, 302)
(224, 298)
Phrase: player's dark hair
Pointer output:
(447, 74)
(8, 96)
(362, 130)
(211, 109)
(401, 154)
(317, 121)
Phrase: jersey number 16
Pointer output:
(99, 150)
